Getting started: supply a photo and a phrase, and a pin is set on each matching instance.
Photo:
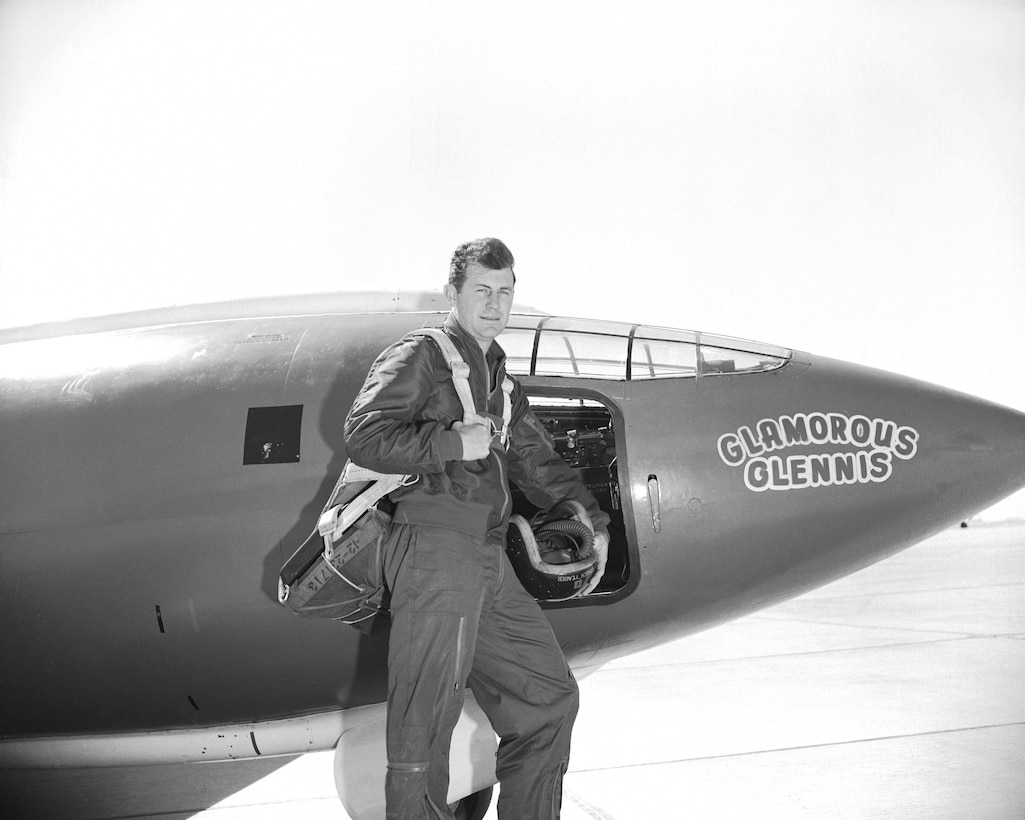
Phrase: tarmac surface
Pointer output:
(896, 692)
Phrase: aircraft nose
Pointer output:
(800, 476)
(972, 451)
(942, 453)
(981, 447)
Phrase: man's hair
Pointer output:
(488, 253)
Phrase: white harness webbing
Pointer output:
(461, 379)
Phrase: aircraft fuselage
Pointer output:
(155, 479)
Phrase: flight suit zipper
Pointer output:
(460, 643)
(491, 386)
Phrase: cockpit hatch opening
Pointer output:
(583, 431)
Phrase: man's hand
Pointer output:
(476, 440)
(601, 546)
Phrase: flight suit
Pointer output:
(459, 616)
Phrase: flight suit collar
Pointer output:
(496, 355)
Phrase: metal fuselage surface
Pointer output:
(141, 535)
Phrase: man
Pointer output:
(459, 615)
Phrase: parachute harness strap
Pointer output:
(507, 388)
(460, 372)
(461, 379)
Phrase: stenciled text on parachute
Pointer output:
(876, 442)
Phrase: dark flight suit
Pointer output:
(459, 614)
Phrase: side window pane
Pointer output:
(519, 347)
(725, 360)
(658, 359)
(581, 354)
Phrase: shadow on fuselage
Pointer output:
(174, 789)
(372, 651)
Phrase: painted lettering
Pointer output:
(795, 429)
(768, 429)
(821, 471)
(843, 468)
(837, 428)
(797, 466)
(731, 450)
(860, 431)
(819, 428)
(884, 432)
(753, 446)
(907, 443)
(779, 478)
(756, 475)
(873, 443)
(881, 465)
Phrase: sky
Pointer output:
(846, 178)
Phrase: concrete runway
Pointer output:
(896, 692)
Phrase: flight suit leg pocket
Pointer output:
(434, 671)
(447, 560)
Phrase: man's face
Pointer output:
(483, 305)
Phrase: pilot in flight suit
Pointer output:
(459, 616)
